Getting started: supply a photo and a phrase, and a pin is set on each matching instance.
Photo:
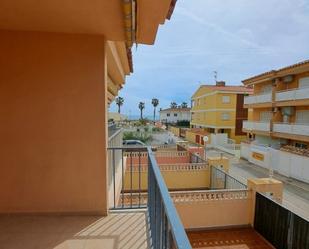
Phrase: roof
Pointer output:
(229, 88)
(176, 110)
(273, 73)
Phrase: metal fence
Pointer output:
(280, 226)
(221, 180)
(165, 225)
(166, 229)
(124, 161)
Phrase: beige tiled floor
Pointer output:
(121, 230)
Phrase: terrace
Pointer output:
(149, 208)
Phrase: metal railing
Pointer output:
(166, 228)
(221, 180)
(112, 128)
(130, 159)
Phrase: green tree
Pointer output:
(119, 102)
(141, 106)
(184, 105)
(173, 105)
(155, 103)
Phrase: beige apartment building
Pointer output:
(279, 124)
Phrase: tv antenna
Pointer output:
(216, 76)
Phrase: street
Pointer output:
(295, 193)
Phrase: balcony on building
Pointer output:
(296, 97)
(256, 126)
(259, 100)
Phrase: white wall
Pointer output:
(285, 163)
(181, 115)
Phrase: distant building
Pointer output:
(172, 115)
(219, 109)
(115, 116)
(280, 120)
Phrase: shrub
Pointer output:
(183, 123)
(130, 135)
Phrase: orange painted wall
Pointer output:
(52, 123)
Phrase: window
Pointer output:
(175, 114)
(302, 117)
(226, 99)
(304, 82)
(168, 114)
(265, 116)
(225, 116)
(266, 89)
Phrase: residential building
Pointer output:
(219, 109)
(280, 120)
(173, 115)
(115, 116)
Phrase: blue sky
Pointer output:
(236, 38)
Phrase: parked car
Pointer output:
(133, 143)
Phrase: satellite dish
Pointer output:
(205, 139)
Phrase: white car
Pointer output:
(133, 143)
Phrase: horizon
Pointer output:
(237, 38)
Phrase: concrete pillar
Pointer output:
(266, 186)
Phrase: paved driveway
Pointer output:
(295, 193)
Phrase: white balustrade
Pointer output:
(293, 94)
(257, 126)
(296, 129)
(189, 196)
(171, 167)
(257, 99)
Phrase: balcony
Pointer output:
(293, 94)
(152, 216)
(262, 126)
(258, 99)
(293, 129)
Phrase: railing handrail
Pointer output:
(259, 94)
(259, 121)
(177, 229)
(209, 191)
(292, 89)
(291, 123)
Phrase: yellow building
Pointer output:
(219, 109)
(278, 128)
(280, 106)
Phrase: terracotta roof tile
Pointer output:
(278, 70)
(230, 88)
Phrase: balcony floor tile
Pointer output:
(238, 238)
(125, 230)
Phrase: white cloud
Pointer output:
(238, 38)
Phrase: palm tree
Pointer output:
(155, 103)
(119, 102)
(184, 105)
(173, 105)
(141, 106)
